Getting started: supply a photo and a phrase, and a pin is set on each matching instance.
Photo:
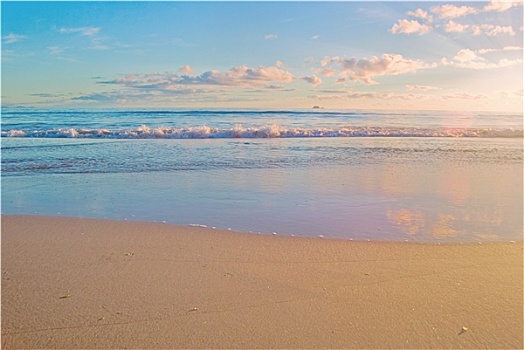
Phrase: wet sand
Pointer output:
(82, 283)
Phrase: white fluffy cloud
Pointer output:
(241, 76)
(419, 13)
(364, 70)
(448, 13)
(501, 5)
(236, 76)
(466, 55)
(454, 27)
(270, 36)
(452, 11)
(405, 26)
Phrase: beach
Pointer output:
(85, 283)
(262, 175)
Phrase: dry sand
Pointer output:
(80, 283)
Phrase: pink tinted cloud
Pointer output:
(365, 70)
(452, 11)
(313, 80)
(406, 26)
(236, 76)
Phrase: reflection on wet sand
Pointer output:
(443, 228)
(407, 221)
(483, 224)
(417, 223)
(459, 201)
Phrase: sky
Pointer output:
(464, 56)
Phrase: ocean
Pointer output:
(394, 176)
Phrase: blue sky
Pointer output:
(354, 55)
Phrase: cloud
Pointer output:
(313, 80)
(51, 95)
(421, 87)
(58, 53)
(452, 95)
(454, 27)
(327, 72)
(96, 97)
(90, 32)
(379, 96)
(12, 38)
(469, 59)
(364, 70)
(186, 70)
(325, 61)
(512, 48)
(491, 30)
(405, 26)
(486, 29)
(96, 44)
(315, 37)
(419, 13)
(452, 11)
(85, 31)
(462, 95)
(242, 76)
(500, 5)
(139, 96)
(466, 55)
(479, 65)
(333, 59)
(339, 91)
(271, 36)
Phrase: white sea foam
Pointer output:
(268, 131)
(14, 133)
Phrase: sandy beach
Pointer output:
(82, 283)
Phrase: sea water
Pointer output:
(378, 175)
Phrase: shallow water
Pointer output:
(393, 188)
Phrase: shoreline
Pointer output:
(89, 283)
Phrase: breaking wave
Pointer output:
(269, 131)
